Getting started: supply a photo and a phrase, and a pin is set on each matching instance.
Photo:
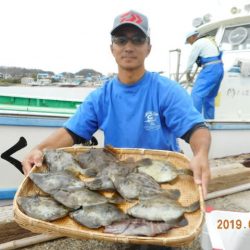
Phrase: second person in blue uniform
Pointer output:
(207, 55)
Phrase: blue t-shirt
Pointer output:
(150, 113)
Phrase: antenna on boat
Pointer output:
(207, 18)
(247, 8)
(235, 10)
(198, 21)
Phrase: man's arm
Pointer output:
(60, 138)
(195, 52)
(200, 141)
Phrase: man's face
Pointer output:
(130, 47)
(191, 39)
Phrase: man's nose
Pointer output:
(129, 46)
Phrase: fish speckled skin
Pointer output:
(141, 227)
(156, 211)
(51, 182)
(103, 179)
(97, 216)
(161, 171)
(136, 185)
(100, 183)
(59, 160)
(95, 160)
(42, 208)
(161, 208)
(78, 197)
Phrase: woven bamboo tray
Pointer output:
(190, 193)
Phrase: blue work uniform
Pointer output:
(150, 113)
(207, 83)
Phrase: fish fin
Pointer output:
(128, 160)
(116, 199)
(145, 162)
(172, 193)
(193, 207)
(110, 149)
(183, 222)
(94, 184)
(91, 172)
(179, 222)
(185, 171)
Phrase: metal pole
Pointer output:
(178, 63)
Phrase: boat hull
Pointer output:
(231, 138)
(228, 138)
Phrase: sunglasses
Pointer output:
(123, 40)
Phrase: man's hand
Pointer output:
(200, 143)
(35, 157)
(59, 138)
(188, 76)
(201, 171)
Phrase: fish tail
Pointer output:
(179, 222)
(185, 171)
(193, 207)
(94, 185)
(173, 193)
(182, 222)
(90, 172)
(110, 149)
(116, 199)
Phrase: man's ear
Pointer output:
(111, 48)
(149, 49)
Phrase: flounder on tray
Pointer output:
(113, 222)
(97, 216)
(161, 208)
(161, 171)
(42, 208)
(142, 227)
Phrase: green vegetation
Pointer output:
(10, 80)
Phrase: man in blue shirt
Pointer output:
(136, 109)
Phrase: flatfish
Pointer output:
(97, 216)
(103, 180)
(95, 160)
(139, 186)
(161, 208)
(100, 183)
(51, 182)
(42, 208)
(141, 227)
(78, 198)
(59, 160)
(161, 171)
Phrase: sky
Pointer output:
(70, 35)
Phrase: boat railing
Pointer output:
(176, 73)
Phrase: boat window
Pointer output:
(211, 33)
(236, 38)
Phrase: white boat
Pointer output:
(231, 126)
(230, 129)
(31, 127)
(31, 113)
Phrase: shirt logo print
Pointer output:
(152, 121)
